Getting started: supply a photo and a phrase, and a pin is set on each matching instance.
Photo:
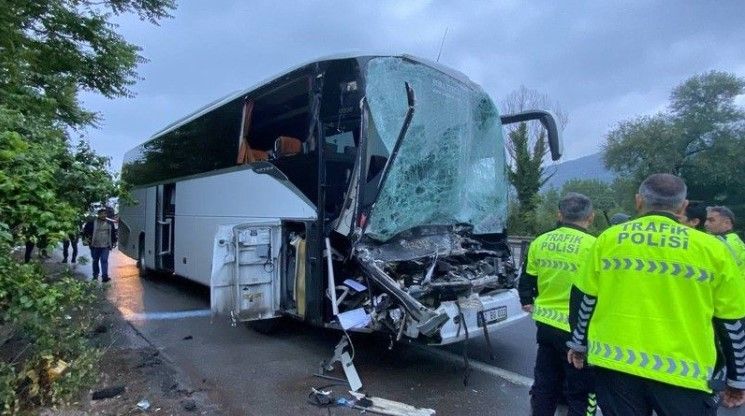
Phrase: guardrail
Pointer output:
(519, 247)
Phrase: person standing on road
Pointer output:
(71, 242)
(647, 308)
(719, 221)
(695, 216)
(553, 260)
(100, 235)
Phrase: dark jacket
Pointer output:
(88, 232)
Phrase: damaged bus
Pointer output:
(360, 192)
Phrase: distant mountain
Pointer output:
(588, 167)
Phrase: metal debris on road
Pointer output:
(143, 404)
(388, 407)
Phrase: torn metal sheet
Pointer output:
(389, 407)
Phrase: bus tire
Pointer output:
(265, 326)
(141, 268)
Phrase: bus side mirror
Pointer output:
(548, 121)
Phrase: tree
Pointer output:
(49, 51)
(29, 201)
(527, 149)
(527, 173)
(603, 199)
(701, 138)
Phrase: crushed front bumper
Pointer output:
(498, 311)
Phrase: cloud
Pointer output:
(602, 62)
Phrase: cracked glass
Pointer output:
(450, 166)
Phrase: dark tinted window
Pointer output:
(210, 142)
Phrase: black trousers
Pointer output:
(556, 378)
(621, 394)
(30, 249)
(27, 253)
(72, 240)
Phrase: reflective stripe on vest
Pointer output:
(648, 364)
(658, 284)
(551, 316)
(737, 247)
(555, 258)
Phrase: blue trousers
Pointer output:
(100, 254)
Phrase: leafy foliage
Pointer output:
(29, 195)
(53, 48)
(527, 174)
(605, 198)
(528, 148)
(701, 138)
(49, 51)
(52, 318)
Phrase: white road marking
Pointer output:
(508, 375)
(161, 316)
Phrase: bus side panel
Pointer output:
(150, 216)
(202, 204)
(133, 216)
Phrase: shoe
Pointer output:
(65, 261)
(105, 279)
(73, 261)
(94, 278)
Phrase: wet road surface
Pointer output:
(254, 374)
(249, 373)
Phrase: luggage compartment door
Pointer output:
(246, 271)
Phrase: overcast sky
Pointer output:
(602, 63)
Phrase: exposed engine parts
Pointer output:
(412, 276)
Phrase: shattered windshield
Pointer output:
(450, 166)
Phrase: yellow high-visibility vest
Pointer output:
(658, 285)
(735, 244)
(555, 258)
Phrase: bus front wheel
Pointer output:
(141, 268)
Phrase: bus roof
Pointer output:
(237, 94)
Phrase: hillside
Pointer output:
(587, 167)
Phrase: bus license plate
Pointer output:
(490, 316)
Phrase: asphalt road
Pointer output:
(248, 373)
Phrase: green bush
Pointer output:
(52, 320)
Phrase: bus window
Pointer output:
(341, 143)
(280, 119)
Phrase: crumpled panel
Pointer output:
(450, 167)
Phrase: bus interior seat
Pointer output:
(257, 155)
(287, 146)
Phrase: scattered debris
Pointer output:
(321, 398)
(388, 407)
(367, 404)
(107, 392)
(343, 357)
(143, 404)
(54, 367)
(188, 337)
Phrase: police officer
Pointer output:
(552, 261)
(719, 221)
(648, 305)
(695, 216)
